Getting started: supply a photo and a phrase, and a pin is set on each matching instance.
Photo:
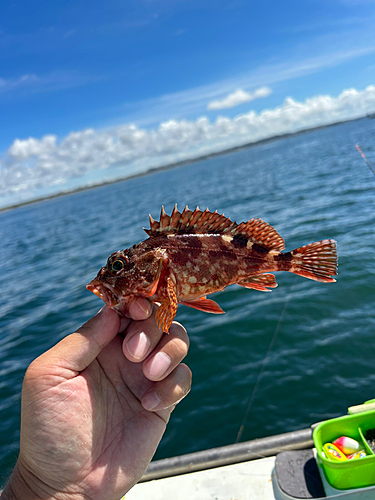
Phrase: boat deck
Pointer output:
(253, 480)
(245, 481)
(282, 467)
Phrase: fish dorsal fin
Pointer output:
(258, 231)
(198, 222)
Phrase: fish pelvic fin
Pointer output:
(316, 261)
(205, 305)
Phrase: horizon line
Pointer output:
(182, 163)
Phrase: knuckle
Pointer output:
(33, 371)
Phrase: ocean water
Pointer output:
(308, 348)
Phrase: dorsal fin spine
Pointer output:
(255, 230)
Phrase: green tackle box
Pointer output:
(349, 474)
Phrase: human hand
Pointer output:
(95, 406)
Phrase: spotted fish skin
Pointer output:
(192, 254)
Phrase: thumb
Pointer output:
(76, 351)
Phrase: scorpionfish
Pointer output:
(192, 254)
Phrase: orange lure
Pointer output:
(189, 255)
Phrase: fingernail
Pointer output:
(138, 345)
(158, 365)
(150, 401)
(145, 306)
(140, 309)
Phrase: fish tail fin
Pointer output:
(316, 261)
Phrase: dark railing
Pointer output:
(226, 455)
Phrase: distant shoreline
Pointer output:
(182, 163)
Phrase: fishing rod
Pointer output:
(369, 164)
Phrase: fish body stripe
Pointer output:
(283, 261)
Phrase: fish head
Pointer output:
(127, 273)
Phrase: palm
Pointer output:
(92, 407)
(92, 418)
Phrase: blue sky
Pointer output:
(106, 81)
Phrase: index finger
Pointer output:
(76, 351)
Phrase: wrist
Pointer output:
(17, 487)
(22, 486)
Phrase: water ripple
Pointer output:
(309, 187)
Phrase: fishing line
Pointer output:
(276, 332)
(264, 363)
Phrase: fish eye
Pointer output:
(119, 264)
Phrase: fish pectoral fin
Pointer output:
(168, 308)
(205, 305)
(261, 282)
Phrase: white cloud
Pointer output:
(24, 149)
(238, 97)
(22, 81)
(31, 83)
(194, 101)
(69, 33)
(33, 163)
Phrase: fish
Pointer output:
(192, 254)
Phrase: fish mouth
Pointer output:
(104, 292)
